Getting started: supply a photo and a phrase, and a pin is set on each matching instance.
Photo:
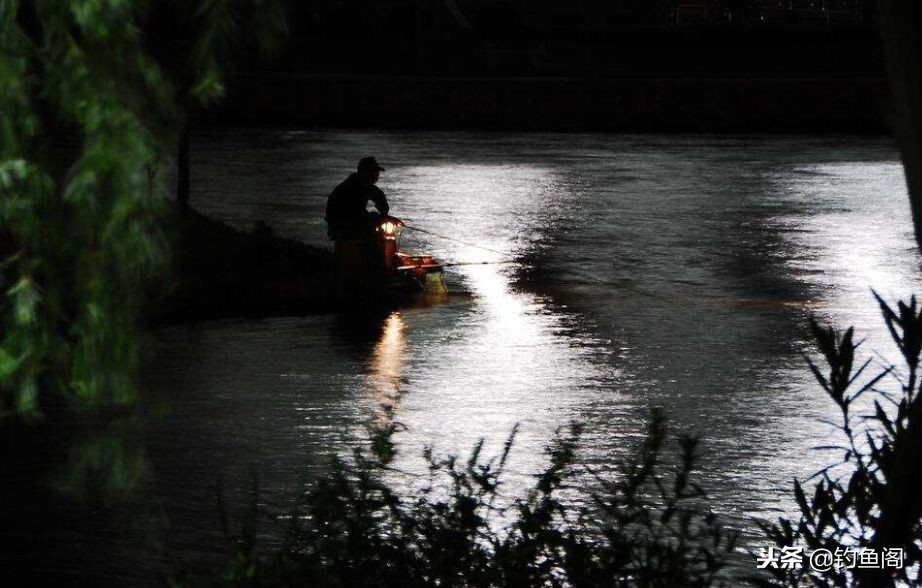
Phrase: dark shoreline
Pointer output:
(220, 272)
(655, 105)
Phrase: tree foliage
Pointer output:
(79, 246)
(81, 233)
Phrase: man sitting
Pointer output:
(351, 226)
(347, 215)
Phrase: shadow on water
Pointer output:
(360, 330)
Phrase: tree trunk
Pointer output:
(182, 168)
(901, 27)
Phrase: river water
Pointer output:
(639, 272)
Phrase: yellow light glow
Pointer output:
(388, 357)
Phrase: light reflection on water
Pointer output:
(387, 359)
(672, 272)
(879, 251)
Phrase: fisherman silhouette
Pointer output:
(352, 227)
(347, 215)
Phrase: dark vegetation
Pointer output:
(649, 526)
(873, 499)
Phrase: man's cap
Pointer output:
(369, 163)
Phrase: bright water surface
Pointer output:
(648, 271)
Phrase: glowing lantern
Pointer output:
(389, 237)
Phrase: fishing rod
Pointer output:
(446, 237)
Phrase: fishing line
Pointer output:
(503, 253)
(512, 260)
(459, 264)
(634, 289)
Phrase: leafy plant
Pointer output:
(872, 499)
(354, 528)
(92, 106)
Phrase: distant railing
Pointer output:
(695, 13)
(814, 14)
(703, 11)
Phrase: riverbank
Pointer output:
(699, 105)
(221, 272)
